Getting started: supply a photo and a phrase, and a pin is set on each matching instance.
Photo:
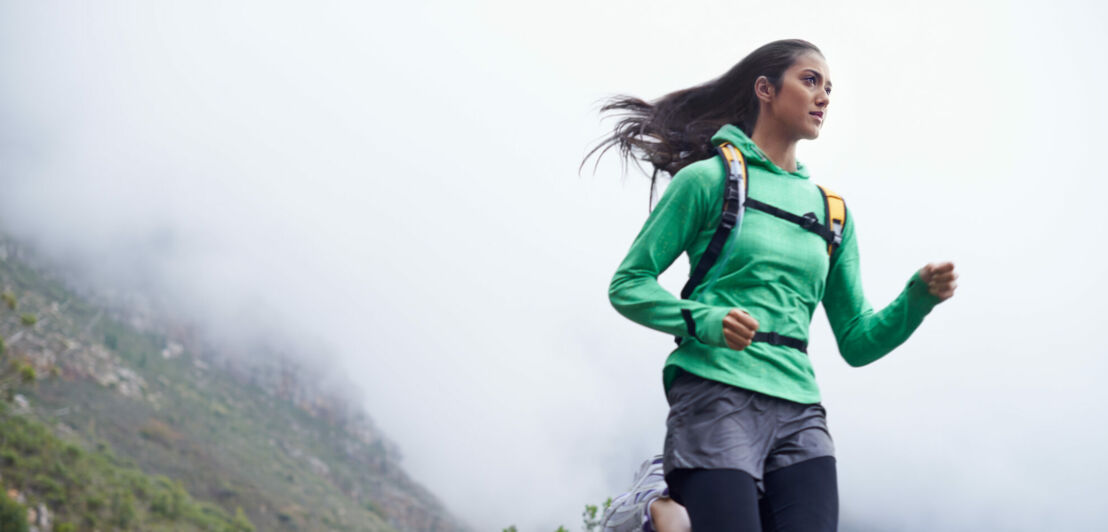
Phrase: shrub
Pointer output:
(241, 523)
(13, 516)
(29, 319)
(123, 509)
(162, 504)
(50, 489)
(65, 475)
(170, 499)
(375, 508)
(27, 439)
(72, 452)
(592, 515)
(27, 373)
(139, 485)
(9, 458)
(94, 502)
(155, 430)
(9, 299)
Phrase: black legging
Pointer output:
(803, 497)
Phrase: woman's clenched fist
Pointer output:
(940, 278)
(738, 329)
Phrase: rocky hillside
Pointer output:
(252, 431)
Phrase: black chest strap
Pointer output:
(808, 222)
(780, 339)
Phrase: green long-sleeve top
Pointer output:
(777, 272)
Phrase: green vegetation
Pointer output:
(27, 373)
(9, 299)
(592, 514)
(590, 518)
(13, 516)
(158, 431)
(241, 523)
(13, 373)
(85, 489)
(95, 489)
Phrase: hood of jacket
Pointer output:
(753, 154)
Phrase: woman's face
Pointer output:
(800, 106)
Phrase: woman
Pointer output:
(747, 445)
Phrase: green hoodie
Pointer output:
(777, 273)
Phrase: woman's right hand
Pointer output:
(738, 329)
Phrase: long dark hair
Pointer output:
(676, 129)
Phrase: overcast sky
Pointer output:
(400, 181)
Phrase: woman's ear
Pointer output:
(763, 89)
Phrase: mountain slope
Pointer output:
(251, 432)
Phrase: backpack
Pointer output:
(735, 202)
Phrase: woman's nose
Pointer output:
(823, 100)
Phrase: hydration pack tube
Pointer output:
(734, 198)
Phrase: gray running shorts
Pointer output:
(712, 425)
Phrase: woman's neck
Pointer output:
(779, 148)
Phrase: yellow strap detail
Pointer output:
(836, 210)
(732, 154)
(727, 154)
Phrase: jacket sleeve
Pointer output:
(685, 208)
(863, 335)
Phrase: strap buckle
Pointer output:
(809, 220)
(729, 218)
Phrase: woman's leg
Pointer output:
(803, 497)
(716, 499)
(668, 516)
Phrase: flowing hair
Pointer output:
(676, 129)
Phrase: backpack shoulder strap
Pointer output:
(734, 198)
(834, 210)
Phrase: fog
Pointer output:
(399, 183)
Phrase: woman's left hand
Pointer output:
(940, 278)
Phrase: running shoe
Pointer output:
(630, 512)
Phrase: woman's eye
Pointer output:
(810, 79)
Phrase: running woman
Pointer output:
(747, 445)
